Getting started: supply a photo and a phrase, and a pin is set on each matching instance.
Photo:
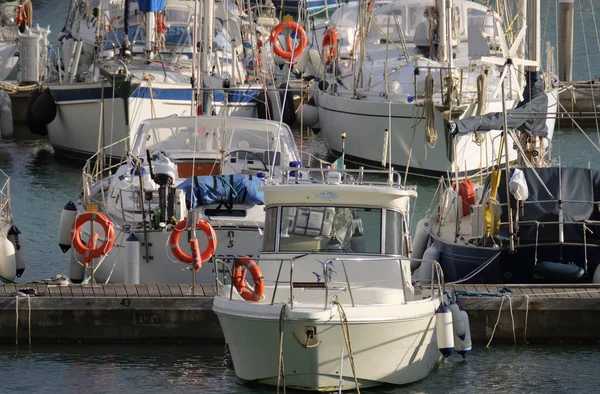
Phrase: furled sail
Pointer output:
(528, 116)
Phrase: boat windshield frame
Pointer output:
(358, 231)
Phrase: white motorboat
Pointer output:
(12, 263)
(333, 305)
(206, 166)
(406, 77)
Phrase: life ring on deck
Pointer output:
(329, 50)
(290, 54)
(89, 250)
(239, 279)
(206, 254)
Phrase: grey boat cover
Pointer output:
(579, 193)
(528, 116)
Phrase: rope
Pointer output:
(496, 325)
(512, 318)
(149, 78)
(431, 135)
(12, 89)
(281, 367)
(526, 319)
(346, 334)
(17, 321)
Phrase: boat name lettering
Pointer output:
(327, 195)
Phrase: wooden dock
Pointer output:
(108, 313)
(532, 313)
(172, 313)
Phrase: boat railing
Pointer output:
(437, 275)
(5, 206)
(348, 176)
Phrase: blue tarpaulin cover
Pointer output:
(226, 189)
(151, 5)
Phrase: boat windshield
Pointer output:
(335, 229)
(186, 138)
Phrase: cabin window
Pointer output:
(270, 230)
(393, 233)
(332, 229)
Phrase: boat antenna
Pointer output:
(342, 163)
(389, 136)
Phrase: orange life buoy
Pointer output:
(239, 279)
(329, 49)
(206, 254)
(290, 54)
(90, 250)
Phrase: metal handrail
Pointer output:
(437, 276)
(358, 179)
(5, 204)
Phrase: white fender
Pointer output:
(6, 118)
(8, 261)
(460, 330)
(463, 346)
(596, 277)
(76, 268)
(14, 236)
(309, 113)
(132, 270)
(424, 272)
(444, 330)
(67, 217)
(419, 242)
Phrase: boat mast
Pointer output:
(207, 48)
(521, 24)
(534, 45)
(442, 31)
(150, 34)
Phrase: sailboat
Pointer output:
(133, 220)
(397, 72)
(145, 65)
(533, 222)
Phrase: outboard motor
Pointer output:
(164, 175)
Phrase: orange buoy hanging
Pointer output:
(242, 264)
(206, 254)
(291, 53)
(329, 49)
(90, 250)
(161, 25)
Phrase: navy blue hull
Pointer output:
(518, 267)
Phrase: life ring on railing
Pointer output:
(90, 250)
(290, 54)
(206, 254)
(239, 279)
(329, 44)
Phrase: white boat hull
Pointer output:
(386, 348)
(162, 266)
(75, 132)
(365, 121)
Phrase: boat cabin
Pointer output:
(315, 221)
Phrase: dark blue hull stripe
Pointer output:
(95, 93)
